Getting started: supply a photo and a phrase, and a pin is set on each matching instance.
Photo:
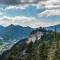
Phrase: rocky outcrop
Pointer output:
(35, 35)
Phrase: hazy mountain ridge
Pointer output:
(15, 32)
(1, 28)
(53, 28)
(11, 34)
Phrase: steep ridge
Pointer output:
(40, 45)
(12, 34)
(53, 28)
(19, 48)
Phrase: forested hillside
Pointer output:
(46, 48)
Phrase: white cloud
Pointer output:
(24, 6)
(16, 7)
(52, 8)
(23, 21)
(27, 1)
(50, 13)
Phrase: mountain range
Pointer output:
(16, 32)
(40, 45)
(11, 34)
(53, 28)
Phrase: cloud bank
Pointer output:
(21, 20)
(52, 8)
(24, 21)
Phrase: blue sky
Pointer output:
(33, 13)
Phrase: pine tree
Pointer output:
(43, 51)
(29, 51)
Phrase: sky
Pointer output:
(33, 13)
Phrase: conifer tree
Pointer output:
(43, 51)
(29, 51)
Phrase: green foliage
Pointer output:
(29, 51)
(57, 54)
(43, 51)
(47, 46)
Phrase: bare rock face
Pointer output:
(35, 35)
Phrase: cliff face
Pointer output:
(35, 36)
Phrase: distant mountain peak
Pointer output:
(15, 31)
(53, 27)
